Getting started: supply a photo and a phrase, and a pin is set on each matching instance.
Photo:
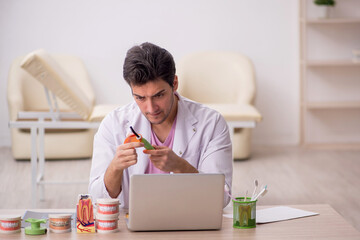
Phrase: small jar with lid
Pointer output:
(107, 223)
(60, 223)
(107, 206)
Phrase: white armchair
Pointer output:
(225, 81)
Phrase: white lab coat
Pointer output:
(201, 137)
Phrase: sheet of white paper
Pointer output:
(281, 213)
(276, 214)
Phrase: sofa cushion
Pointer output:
(100, 111)
(237, 112)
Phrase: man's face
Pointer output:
(155, 99)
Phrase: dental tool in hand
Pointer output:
(227, 190)
(261, 193)
(136, 137)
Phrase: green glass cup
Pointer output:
(244, 213)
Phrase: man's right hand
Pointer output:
(125, 156)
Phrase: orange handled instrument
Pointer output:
(135, 137)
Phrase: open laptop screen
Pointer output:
(176, 202)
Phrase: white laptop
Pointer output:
(162, 202)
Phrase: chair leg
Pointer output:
(41, 162)
(33, 166)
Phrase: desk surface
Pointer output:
(328, 225)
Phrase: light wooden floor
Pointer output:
(294, 176)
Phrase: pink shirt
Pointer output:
(169, 141)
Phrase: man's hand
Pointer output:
(125, 157)
(166, 160)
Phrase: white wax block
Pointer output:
(280, 214)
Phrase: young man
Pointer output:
(187, 136)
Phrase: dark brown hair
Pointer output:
(148, 62)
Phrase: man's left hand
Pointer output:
(166, 160)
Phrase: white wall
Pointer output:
(100, 32)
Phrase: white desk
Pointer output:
(328, 225)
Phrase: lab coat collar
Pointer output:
(185, 127)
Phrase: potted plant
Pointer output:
(325, 6)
